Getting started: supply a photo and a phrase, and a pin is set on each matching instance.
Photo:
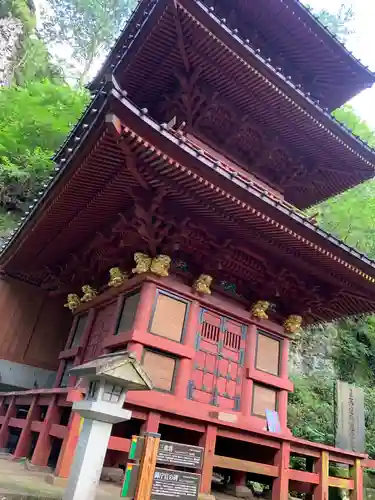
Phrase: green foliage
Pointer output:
(33, 61)
(22, 10)
(360, 128)
(88, 27)
(351, 215)
(310, 409)
(29, 138)
(338, 22)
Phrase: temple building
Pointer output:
(175, 227)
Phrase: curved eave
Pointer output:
(213, 181)
(240, 47)
(328, 38)
(144, 14)
(331, 50)
(343, 160)
(342, 74)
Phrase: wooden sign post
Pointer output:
(145, 481)
(147, 466)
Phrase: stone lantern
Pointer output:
(109, 378)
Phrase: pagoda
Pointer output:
(174, 227)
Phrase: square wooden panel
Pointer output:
(160, 369)
(264, 399)
(168, 319)
(79, 329)
(268, 354)
(128, 313)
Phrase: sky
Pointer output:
(361, 43)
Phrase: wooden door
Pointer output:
(219, 361)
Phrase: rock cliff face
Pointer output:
(311, 352)
(10, 33)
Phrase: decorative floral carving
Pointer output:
(160, 265)
(72, 301)
(293, 323)
(116, 277)
(143, 263)
(89, 293)
(203, 284)
(259, 309)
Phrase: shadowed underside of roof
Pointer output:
(128, 162)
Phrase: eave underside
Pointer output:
(124, 195)
(286, 32)
(175, 67)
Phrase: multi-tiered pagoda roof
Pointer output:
(199, 148)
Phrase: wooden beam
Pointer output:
(245, 466)
(341, 482)
(303, 476)
(249, 438)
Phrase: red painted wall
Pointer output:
(33, 327)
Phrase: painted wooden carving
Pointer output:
(89, 293)
(116, 277)
(259, 309)
(203, 284)
(72, 301)
(293, 323)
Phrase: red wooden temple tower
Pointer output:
(177, 203)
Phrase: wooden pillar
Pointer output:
(68, 448)
(356, 473)
(322, 468)
(239, 478)
(4, 431)
(44, 443)
(284, 361)
(143, 315)
(280, 487)
(282, 408)
(247, 384)
(283, 395)
(24, 442)
(208, 440)
(185, 365)
(152, 422)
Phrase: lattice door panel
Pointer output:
(101, 328)
(219, 360)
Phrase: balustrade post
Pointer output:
(356, 473)
(208, 440)
(4, 431)
(24, 442)
(44, 443)
(280, 487)
(322, 468)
